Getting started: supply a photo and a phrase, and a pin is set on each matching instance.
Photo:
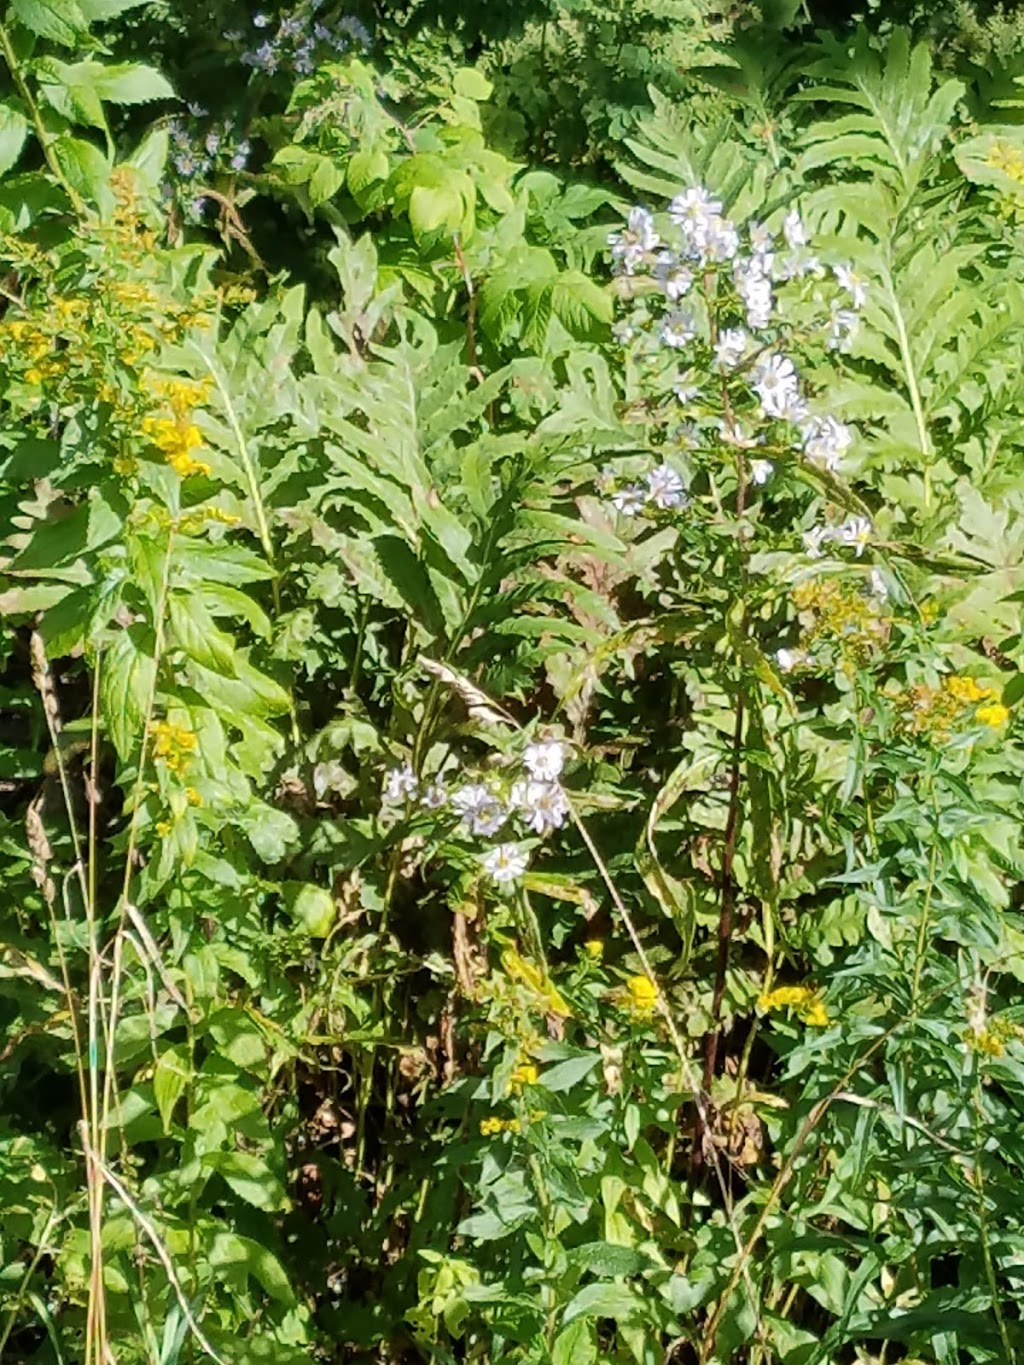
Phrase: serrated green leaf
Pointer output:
(127, 679)
(13, 131)
(62, 21)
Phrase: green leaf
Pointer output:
(230, 1252)
(170, 1077)
(565, 1075)
(575, 1345)
(13, 131)
(311, 907)
(250, 1178)
(127, 679)
(131, 83)
(86, 168)
(472, 84)
(194, 630)
(616, 1301)
(62, 21)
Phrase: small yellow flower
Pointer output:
(642, 995)
(993, 713)
(490, 1127)
(809, 1006)
(193, 797)
(594, 949)
(173, 744)
(33, 376)
(163, 828)
(524, 1074)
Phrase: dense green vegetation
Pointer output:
(511, 781)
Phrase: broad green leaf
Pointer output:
(127, 679)
(564, 1075)
(617, 1301)
(62, 21)
(131, 83)
(84, 165)
(13, 131)
(311, 907)
(250, 1178)
(230, 1252)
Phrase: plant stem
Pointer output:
(42, 136)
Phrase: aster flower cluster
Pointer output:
(533, 801)
(701, 291)
(298, 42)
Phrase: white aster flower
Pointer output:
(855, 285)
(731, 347)
(793, 230)
(678, 328)
(673, 276)
(825, 441)
(630, 501)
(400, 785)
(434, 796)
(855, 532)
(544, 805)
(634, 246)
(505, 863)
(761, 471)
(777, 386)
(720, 241)
(665, 487)
(623, 332)
(761, 240)
(686, 393)
(479, 809)
(815, 538)
(544, 759)
(693, 207)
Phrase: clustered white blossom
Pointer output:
(534, 799)
(744, 344)
(854, 533)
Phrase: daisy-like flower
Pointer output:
(855, 532)
(400, 785)
(730, 347)
(762, 242)
(673, 276)
(630, 501)
(678, 328)
(776, 384)
(623, 332)
(844, 325)
(506, 863)
(693, 208)
(636, 244)
(761, 471)
(665, 487)
(719, 241)
(543, 805)
(825, 441)
(544, 760)
(434, 796)
(855, 285)
(815, 538)
(755, 289)
(478, 809)
(686, 393)
(793, 230)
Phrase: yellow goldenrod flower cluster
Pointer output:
(640, 996)
(1009, 158)
(535, 984)
(173, 745)
(524, 1074)
(176, 436)
(936, 712)
(833, 611)
(809, 1006)
(492, 1126)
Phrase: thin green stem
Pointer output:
(43, 137)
